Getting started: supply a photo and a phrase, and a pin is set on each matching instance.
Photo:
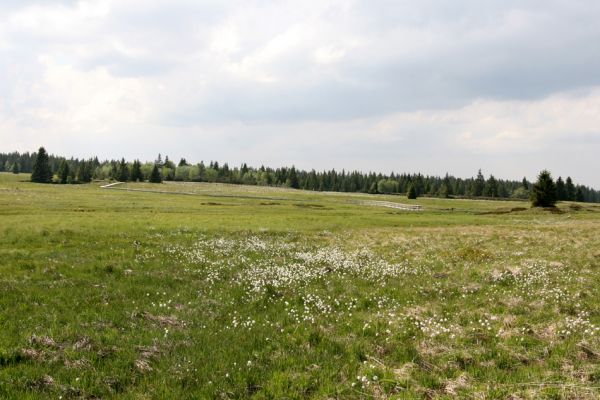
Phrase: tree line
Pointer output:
(58, 169)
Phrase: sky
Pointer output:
(511, 87)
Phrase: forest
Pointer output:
(74, 170)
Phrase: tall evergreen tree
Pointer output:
(412, 192)
(292, 179)
(543, 193)
(114, 170)
(15, 168)
(446, 188)
(84, 173)
(579, 194)
(561, 192)
(478, 185)
(155, 175)
(123, 174)
(491, 187)
(41, 172)
(136, 171)
(569, 189)
(63, 172)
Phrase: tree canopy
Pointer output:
(155, 175)
(543, 193)
(41, 171)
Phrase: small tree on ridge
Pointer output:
(41, 168)
(155, 175)
(543, 193)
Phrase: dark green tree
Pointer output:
(579, 194)
(41, 172)
(569, 189)
(183, 163)
(292, 179)
(446, 187)
(543, 193)
(63, 172)
(15, 168)
(123, 174)
(72, 175)
(478, 185)
(84, 173)
(561, 192)
(155, 175)
(136, 171)
(412, 192)
(114, 170)
(491, 187)
(168, 163)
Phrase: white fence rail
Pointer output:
(389, 204)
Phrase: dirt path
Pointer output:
(111, 185)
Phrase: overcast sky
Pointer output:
(510, 87)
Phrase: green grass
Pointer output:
(250, 292)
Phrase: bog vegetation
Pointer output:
(206, 290)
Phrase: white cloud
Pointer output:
(50, 20)
(425, 85)
(92, 100)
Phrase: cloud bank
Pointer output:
(507, 86)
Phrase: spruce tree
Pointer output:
(561, 192)
(155, 175)
(446, 188)
(114, 171)
(136, 171)
(84, 173)
(41, 168)
(579, 195)
(292, 179)
(543, 193)
(412, 192)
(478, 185)
(15, 168)
(63, 172)
(491, 187)
(569, 189)
(123, 174)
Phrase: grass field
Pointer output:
(231, 292)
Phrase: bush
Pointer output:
(520, 193)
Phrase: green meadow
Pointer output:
(214, 291)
